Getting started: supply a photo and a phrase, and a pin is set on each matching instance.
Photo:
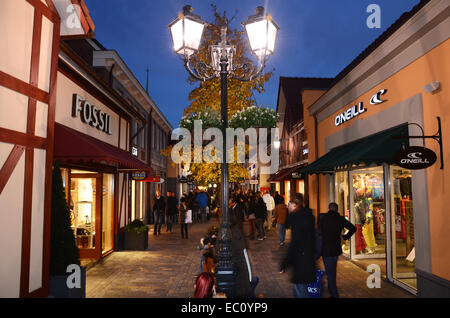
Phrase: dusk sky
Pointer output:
(317, 38)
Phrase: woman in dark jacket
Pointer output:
(301, 250)
(182, 218)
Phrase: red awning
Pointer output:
(75, 147)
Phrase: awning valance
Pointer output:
(75, 147)
(378, 148)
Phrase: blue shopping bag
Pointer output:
(315, 289)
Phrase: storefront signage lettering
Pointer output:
(357, 110)
(415, 158)
(349, 114)
(138, 175)
(296, 175)
(91, 114)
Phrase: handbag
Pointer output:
(315, 289)
(188, 218)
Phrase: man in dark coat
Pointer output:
(331, 225)
(300, 254)
(159, 208)
(261, 216)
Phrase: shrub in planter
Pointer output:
(208, 119)
(254, 117)
(136, 236)
(63, 249)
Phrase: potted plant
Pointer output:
(64, 254)
(136, 236)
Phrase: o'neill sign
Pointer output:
(91, 114)
(415, 158)
(357, 110)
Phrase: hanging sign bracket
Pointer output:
(437, 137)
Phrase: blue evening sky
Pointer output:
(317, 38)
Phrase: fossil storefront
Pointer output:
(400, 213)
(92, 147)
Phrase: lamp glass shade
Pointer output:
(193, 32)
(176, 30)
(262, 35)
(277, 144)
(186, 35)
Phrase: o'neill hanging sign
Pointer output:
(415, 158)
(358, 109)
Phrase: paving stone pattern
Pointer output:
(169, 267)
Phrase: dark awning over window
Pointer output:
(73, 146)
(284, 174)
(378, 148)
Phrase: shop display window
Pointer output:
(83, 207)
(369, 211)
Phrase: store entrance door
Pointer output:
(85, 194)
(402, 270)
(367, 213)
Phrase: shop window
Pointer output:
(83, 206)
(368, 211)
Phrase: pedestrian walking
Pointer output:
(202, 201)
(172, 210)
(251, 208)
(331, 225)
(300, 255)
(159, 207)
(280, 215)
(182, 218)
(270, 204)
(278, 198)
(261, 216)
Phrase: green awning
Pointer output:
(378, 148)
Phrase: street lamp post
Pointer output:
(187, 31)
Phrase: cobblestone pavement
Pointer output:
(169, 267)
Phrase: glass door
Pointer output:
(367, 213)
(107, 213)
(85, 191)
(402, 227)
(342, 198)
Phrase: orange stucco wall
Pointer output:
(408, 82)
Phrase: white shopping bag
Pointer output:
(188, 216)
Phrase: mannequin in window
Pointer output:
(367, 229)
(359, 211)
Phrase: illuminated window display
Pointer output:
(369, 211)
(382, 221)
(91, 202)
(83, 196)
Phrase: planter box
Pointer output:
(136, 242)
(59, 289)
